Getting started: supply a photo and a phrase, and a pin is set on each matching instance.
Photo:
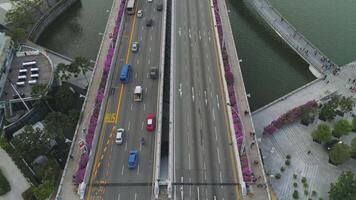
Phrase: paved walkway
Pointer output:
(16, 179)
(68, 190)
(260, 193)
(295, 139)
(293, 38)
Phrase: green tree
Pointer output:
(344, 188)
(354, 124)
(56, 123)
(43, 191)
(48, 170)
(347, 104)
(63, 72)
(19, 16)
(322, 133)
(17, 34)
(64, 99)
(342, 127)
(353, 148)
(80, 65)
(339, 153)
(4, 184)
(328, 111)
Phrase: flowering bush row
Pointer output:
(289, 117)
(80, 173)
(229, 77)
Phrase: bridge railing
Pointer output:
(292, 37)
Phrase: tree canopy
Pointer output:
(56, 123)
(328, 111)
(322, 133)
(353, 148)
(339, 153)
(344, 188)
(342, 127)
(347, 104)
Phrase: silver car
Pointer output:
(120, 136)
(139, 13)
(134, 47)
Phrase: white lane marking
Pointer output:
(206, 56)
(217, 150)
(204, 165)
(147, 75)
(118, 198)
(146, 91)
(206, 194)
(206, 99)
(135, 196)
(136, 75)
(141, 27)
(131, 107)
(150, 49)
(198, 193)
(213, 115)
(199, 35)
(144, 106)
(190, 187)
(180, 89)
(216, 133)
(190, 35)
(193, 93)
(211, 94)
(149, 61)
(125, 146)
(128, 127)
(140, 146)
(204, 174)
(179, 31)
(220, 177)
(138, 170)
(138, 61)
(122, 169)
(181, 189)
(141, 38)
(142, 126)
(209, 79)
(217, 100)
(189, 161)
(151, 37)
(209, 38)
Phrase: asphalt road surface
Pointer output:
(111, 178)
(204, 166)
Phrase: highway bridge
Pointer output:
(203, 158)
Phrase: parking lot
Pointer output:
(39, 72)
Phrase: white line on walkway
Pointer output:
(122, 169)
(144, 106)
(118, 198)
(217, 100)
(217, 150)
(193, 93)
(216, 133)
(189, 161)
(142, 126)
(138, 169)
(198, 193)
(128, 127)
(206, 98)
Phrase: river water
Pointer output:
(270, 68)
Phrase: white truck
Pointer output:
(138, 93)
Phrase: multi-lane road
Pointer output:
(111, 178)
(204, 165)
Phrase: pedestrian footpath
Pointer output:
(18, 182)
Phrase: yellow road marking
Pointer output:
(109, 118)
(117, 113)
(238, 194)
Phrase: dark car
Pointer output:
(154, 73)
(159, 7)
(149, 22)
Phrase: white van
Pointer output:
(120, 136)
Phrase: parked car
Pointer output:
(150, 122)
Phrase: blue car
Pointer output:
(133, 159)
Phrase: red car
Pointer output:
(150, 122)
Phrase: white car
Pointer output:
(139, 13)
(150, 1)
(134, 47)
(120, 136)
